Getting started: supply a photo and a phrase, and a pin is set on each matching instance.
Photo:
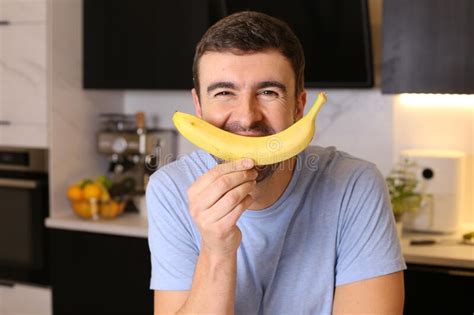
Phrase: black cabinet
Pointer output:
(428, 46)
(150, 44)
(438, 290)
(100, 274)
(145, 44)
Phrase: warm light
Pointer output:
(437, 100)
(433, 153)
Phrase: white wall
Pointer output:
(74, 112)
(444, 125)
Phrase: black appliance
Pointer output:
(150, 44)
(23, 210)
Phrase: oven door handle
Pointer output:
(18, 183)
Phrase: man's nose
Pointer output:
(249, 113)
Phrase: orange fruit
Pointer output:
(74, 193)
(110, 209)
(104, 209)
(82, 208)
(92, 191)
(121, 206)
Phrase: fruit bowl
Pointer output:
(91, 199)
(94, 209)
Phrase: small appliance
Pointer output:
(441, 179)
(134, 151)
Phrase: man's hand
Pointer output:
(217, 200)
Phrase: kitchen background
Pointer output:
(363, 122)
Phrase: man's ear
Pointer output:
(197, 104)
(300, 104)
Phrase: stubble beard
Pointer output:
(264, 171)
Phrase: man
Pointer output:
(311, 235)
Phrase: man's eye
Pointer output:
(269, 93)
(223, 93)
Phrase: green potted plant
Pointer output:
(403, 188)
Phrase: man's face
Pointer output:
(248, 94)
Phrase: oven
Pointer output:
(23, 209)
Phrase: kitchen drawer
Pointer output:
(438, 290)
(23, 10)
(24, 135)
(100, 274)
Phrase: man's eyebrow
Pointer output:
(266, 84)
(220, 85)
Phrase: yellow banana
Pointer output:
(263, 150)
(105, 196)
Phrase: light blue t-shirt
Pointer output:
(333, 225)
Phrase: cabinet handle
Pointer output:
(4, 22)
(5, 123)
(18, 183)
(7, 283)
(461, 273)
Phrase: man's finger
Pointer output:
(233, 216)
(229, 201)
(225, 168)
(209, 196)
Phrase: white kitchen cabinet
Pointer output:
(23, 10)
(12, 300)
(23, 75)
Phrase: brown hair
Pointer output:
(247, 32)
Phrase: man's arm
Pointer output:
(380, 295)
(213, 289)
(216, 201)
(169, 302)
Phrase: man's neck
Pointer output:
(271, 189)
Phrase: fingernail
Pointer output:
(248, 163)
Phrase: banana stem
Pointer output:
(320, 100)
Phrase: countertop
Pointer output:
(448, 251)
(127, 224)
